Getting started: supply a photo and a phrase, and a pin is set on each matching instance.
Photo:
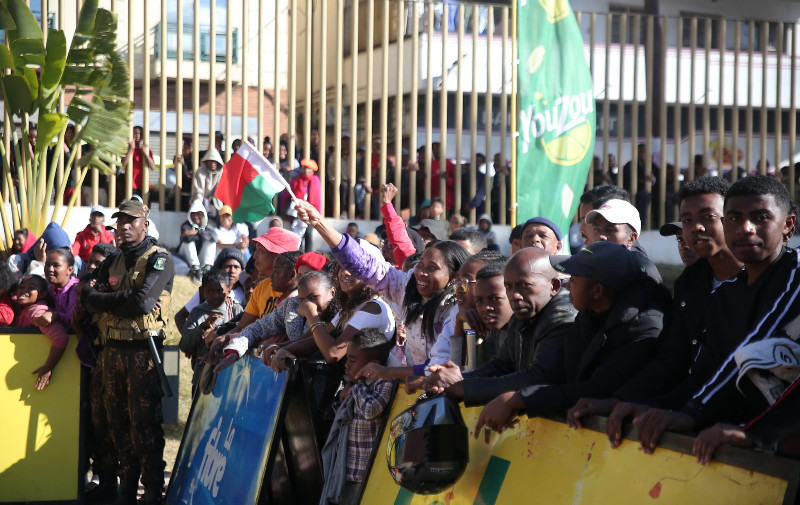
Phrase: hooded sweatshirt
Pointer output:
(205, 180)
(488, 234)
(87, 239)
(54, 238)
(29, 242)
(197, 239)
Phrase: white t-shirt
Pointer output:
(230, 236)
(236, 293)
(384, 321)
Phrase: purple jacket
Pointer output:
(391, 283)
(66, 298)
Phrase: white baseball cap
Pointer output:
(98, 208)
(617, 212)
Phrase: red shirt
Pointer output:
(451, 183)
(138, 164)
(87, 239)
(6, 311)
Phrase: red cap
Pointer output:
(313, 260)
(279, 240)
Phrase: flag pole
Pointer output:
(269, 163)
(514, 133)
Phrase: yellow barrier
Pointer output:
(40, 456)
(544, 461)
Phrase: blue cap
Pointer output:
(609, 264)
(544, 221)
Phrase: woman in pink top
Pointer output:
(58, 269)
(32, 297)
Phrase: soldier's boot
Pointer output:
(106, 491)
(153, 495)
(127, 492)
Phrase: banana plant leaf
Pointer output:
(17, 94)
(50, 125)
(6, 21)
(6, 60)
(53, 69)
(26, 26)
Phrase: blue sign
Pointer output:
(223, 455)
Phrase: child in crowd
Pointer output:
(437, 209)
(8, 285)
(34, 301)
(197, 246)
(58, 269)
(493, 307)
(23, 241)
(216, 310)
(357, 422)
(485, 227)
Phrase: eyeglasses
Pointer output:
(462, 284)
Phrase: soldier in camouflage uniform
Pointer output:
(106, 459)
(131, 293)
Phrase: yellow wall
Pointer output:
(543, 461)
(41, 429)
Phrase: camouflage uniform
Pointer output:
(128, 287)
(134, 413)
(104, 452)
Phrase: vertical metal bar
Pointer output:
(706, 92)
(721, 106)
(473, 115)
(634, 175)
(737, 39)
(592, 18)
(145, 104)
(62, 109)
(384, 99)
(778, 122)
(75, 172)
(262, 131)
(337, 153)
(368, 103)
(623, 25)
(229, 86)
(442, 182)
(514, 68)
(487, 180)
(195, 90)
(398, 103)
(459, 110)
(762, 164)
(662, 128)
(678, 109)
(132, 67)
(309, 94)
(112, 179)
(606, 99)
(429, 103)
(504, 117)
(179, 109)
(212, 76)
(692, 114)
(323, 105)
(351, 201)
(276, 90)
(648, 114)
(793, 114)
(414, 103)
(751, 27)
(243, 57)
(292, 130)
(162, 92)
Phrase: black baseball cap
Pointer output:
(607, 263)
(671, 229)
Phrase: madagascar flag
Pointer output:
(248, 184)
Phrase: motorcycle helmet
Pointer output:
(428, 447)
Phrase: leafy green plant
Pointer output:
(38, 76)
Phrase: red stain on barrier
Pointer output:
(449, 497)
(589, 458)
(656, 491)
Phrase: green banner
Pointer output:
(557, 113)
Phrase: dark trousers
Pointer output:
(133, 400)
(105, 459)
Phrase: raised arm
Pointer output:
(402, 247)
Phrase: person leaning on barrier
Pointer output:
(131, 295)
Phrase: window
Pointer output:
(220, 21)
(630, 24)
(705, 23)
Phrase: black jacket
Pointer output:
(666, 382)
(519, 359)
(602, 351)
(740, 314)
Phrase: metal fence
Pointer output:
(721, 90)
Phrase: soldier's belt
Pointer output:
(128, 334)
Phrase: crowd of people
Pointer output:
(595, 332)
